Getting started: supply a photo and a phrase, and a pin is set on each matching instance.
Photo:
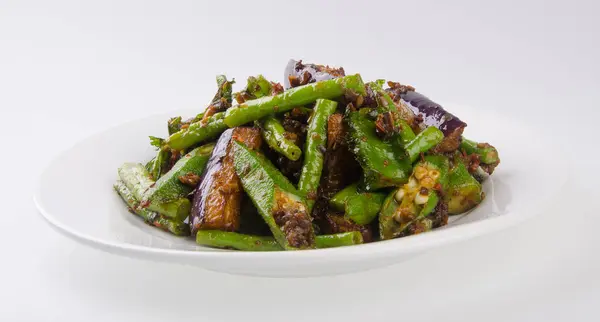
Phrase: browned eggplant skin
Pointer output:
(298, 73)
(218, 197)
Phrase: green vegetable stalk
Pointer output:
(170, 186)
(227, 239)
(232, 240)
(383, 165)
(282, 207)
(274, 134)
(361, 208)
(257, 109)
(198, 132)
(153, 218)
(316, 141)
(138, 181)
(339, 240)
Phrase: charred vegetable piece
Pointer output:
(218, 197)
(282, 207)
(174, 124)
(297, 73)
(275, 136)
(464, 192)
(231, 240)
(222, 99)
(424, 141)
(257, 87)
(138, 181)
(198, 132)
(338, 223)
(256, 109)
(416, 207)
(488, 155)
(150, 217)
(340, 169)
(183, 177)
(433, 114)
(394, 92)
(361, 208)
(316, 142)
(383, 165)
(390, 123)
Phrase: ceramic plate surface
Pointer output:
(75, 195)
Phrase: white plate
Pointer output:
(75, 194)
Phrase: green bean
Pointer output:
(316, 141)
(274, 134)
(198, 132)
(257, 109)
(232, 240)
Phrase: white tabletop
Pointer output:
(69, 69)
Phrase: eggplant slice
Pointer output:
(218, 197)
(429, 113)
(297, 73)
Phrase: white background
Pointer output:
(72, 68)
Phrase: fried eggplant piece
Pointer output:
(218, 197)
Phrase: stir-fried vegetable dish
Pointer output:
(324, 160)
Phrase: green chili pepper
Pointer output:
(427, 139)
(464, 192)
(383, 166)
(279, 203)
(361, 208)
(138, 181)
(150, 217)
(169, 187)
